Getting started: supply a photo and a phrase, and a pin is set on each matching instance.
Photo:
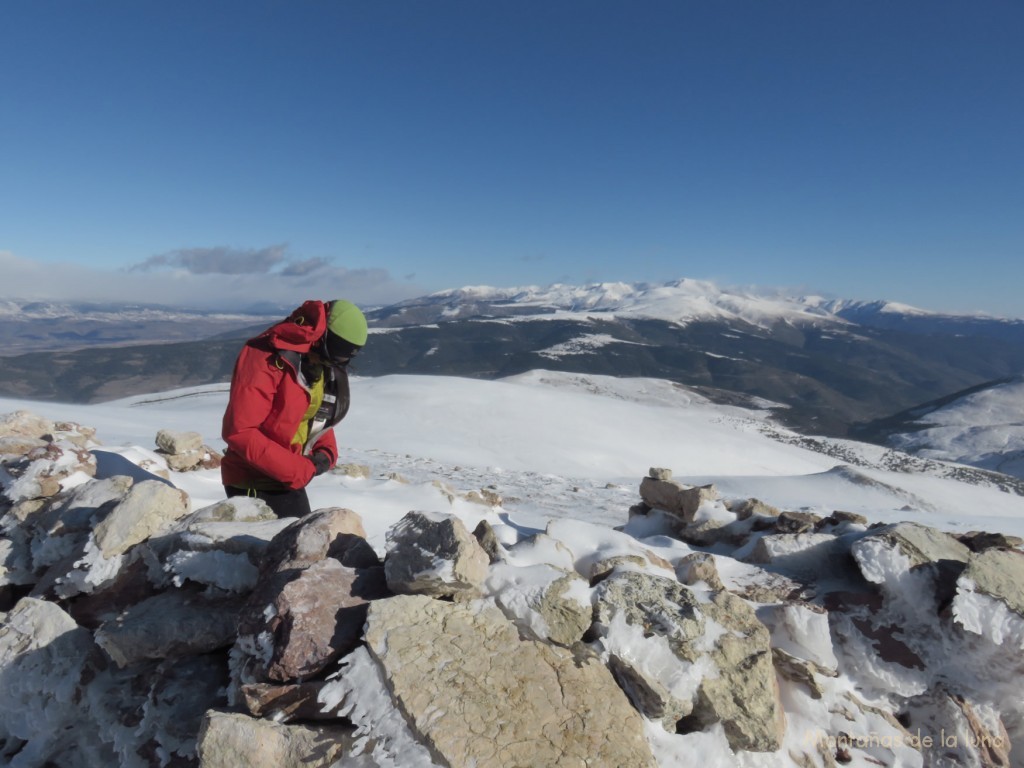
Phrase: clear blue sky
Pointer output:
(864, 149)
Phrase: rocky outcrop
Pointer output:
(140, 632)
(478, 695)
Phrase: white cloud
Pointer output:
(203, 279)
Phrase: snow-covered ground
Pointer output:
(556, 445)
(566, 453)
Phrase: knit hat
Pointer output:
(347, 321)
(346, 332)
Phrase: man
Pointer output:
(288, 389)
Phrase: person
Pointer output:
(289, 388)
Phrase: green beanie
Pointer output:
(347, 321)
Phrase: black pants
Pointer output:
(284, 503)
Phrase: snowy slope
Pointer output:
(552, 442)
(984, 429)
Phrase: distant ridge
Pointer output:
(828, 365)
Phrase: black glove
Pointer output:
(321, 462)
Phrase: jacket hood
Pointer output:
(300, 330)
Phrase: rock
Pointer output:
(484, 496)
(434, 554)
(796, 522)
(327, 532)
(150, 507)
(353, 470)
(478, 695)
(680, 501)
(180, 622)
(19, 446)
(230, 740)
(287, 702)
(839, 517)
(237, 509)
(699, 567)
(43, 470)
(180, 692)
(601, 569)
(545, 602)
(998, 573)
(742, 695)
(488, 541)
(979, 541)
(26, 424)
(971, 734)
(920, 544)
(660, 473)
(802, 631)
(750, 507)
(43, 664)
(745, 695)
(306, 619)
(172, 442)
(809, 557)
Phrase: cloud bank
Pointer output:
(215, 278)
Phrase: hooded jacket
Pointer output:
(269, 400)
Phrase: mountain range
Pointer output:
(826, 366)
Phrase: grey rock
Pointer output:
(744, 695)
(434, 554)
(180, 622)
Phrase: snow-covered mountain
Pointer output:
(983, 427)
(884, 649)
(827, 364)
(680, 301)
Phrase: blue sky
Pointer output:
(218, 151)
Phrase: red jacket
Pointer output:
(268, 403)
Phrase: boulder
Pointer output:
(433, 554)
(304, 619)
(149, 508)
(678, 500)
(169, 441)
(231, 739)
(179, 622)
(478, 695)
(740, 692)
(330, 532)
(998, 573)
(545, 602)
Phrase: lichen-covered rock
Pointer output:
(735, 684)
(545, 602)
(478, 695)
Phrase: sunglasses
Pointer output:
(337, 350)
